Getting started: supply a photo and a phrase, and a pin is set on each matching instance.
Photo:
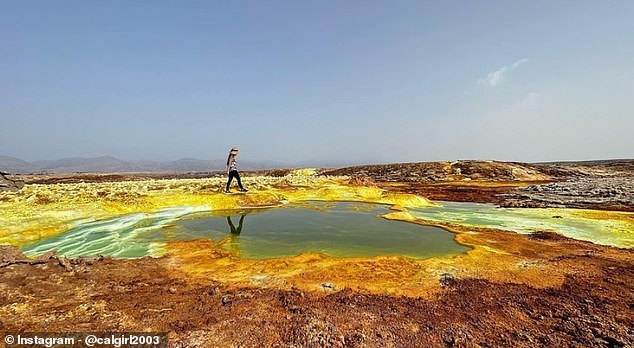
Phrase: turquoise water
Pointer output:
(340, 229)
(528, 220)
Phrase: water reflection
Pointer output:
(236, 231)
(234, 243)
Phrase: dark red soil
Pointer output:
(590, 309)
(454, 192)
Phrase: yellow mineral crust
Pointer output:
(498, 256)
(39, 211)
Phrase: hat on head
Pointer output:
(234, 151)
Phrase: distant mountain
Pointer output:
(92, 164)
(327, 164)
(258, 165)
(16, 165)
(109, 164)
(191, 165)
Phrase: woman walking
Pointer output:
(232, 170)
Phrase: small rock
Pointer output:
(46, 256)
(328, 286)
(171, 290)
(293, 308)
(64, 263)
(449, 339)
(446, 279)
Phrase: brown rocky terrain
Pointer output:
(608, 193)
(592, 306)
(7, 184)
(605, 185)
(429, 172)
(590, 309)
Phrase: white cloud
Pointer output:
(495, 77)
(518, 63)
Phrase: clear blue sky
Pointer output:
(351, 81)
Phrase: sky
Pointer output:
(322, 81)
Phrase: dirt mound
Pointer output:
(447, 171)
(610, 167)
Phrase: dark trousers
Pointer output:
(234, 174)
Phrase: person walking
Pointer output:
(232, 170)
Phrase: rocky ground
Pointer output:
(607, 185)
(433, 172)
(591, 306)
(590, 309)
(607, 193)
(7, 184)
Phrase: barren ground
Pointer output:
(541, 289)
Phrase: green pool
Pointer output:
(341, 229)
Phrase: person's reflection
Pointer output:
(234, 244)
(236, 231)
